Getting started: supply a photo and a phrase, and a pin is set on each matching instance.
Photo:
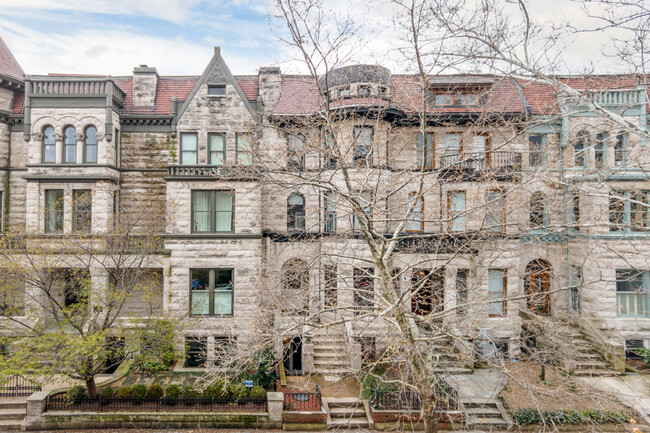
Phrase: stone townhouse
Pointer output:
(558, 194)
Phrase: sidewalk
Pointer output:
(632, 389)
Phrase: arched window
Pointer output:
(49, 145)
(295, 212)
(600, 150)
(69, 145)
(415, 222)
(90, 145)
(538, 217)
(620, 150)
(580, 149)
(296, 152)
(295, 286)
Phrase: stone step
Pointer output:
(336, 355)
(347, 412)
(483, 412)
(594, 372)
(590, 364)
(329, 348)
(477, 403)
(357, 422)
(6, 414)
(453, 370)
(331, 371)
(487, 422)
(11, 425)
(587, 355)
(329, 364)
(8, 403)
(344, 402)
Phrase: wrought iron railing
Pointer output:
(205, 171)
(97, 404)
(483, 162)
(18, 386)
(446, 400)
(302, 401)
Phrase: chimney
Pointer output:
(270, 81)
(145, 82)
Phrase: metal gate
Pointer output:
(18, 386)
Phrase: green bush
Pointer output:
(220, 389)
(525, 417)
(106, 396)
(138, 392)
(261, 369)
(76, 393)
(257, 392)
(155, 391)
(209, 393)
(151, 367)
(644, 354)
(237, 391)
(374, 386)
(172, 393)
(124, 392)
(190, 392)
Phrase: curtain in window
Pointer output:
(223, 291)
(189, 149)
(223, 210)
(457, 210)
(632, 287)
(201, 214)
(217, 149)
(496, 291)
(200, 291)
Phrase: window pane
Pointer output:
(536, 150)
(91, 145)
(81, 210)
(196, 355)
(200, 295)
(222, 302)
(201, 214)
(244, 150)
(496, 291)
(70, 145)
(330, 212)
(217, 149)
(639, 210)
(425, 154)
(188, 149)
(363, 136)
(54, 210)
(223, 207)
(444, 99)
(457, 209)
(415, 223)
(616, 211)
(49, 145)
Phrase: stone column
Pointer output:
(275, 401)
(35, 409)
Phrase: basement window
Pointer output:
(632, 348)
(217, 90)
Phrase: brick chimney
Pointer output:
(145, 82)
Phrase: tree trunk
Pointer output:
(91, 386)
(429, 416)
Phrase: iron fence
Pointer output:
(302, 401)
(18, 386)
(217, 405)
(446, 400)
(483, 162)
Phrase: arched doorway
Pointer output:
(537, 284)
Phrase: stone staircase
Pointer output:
(486, 415)
(444, 354)
(12, 413)
(331, 354)
(347, 412)
(586, 361)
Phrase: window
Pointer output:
(75, 288)
(54, 211)
(217, 149)
(461, 289)
(415, 222)
(575, 284)
(458, 98)
(225, 350)
(331, 159)
(363, 91)
(425, 155)
(575, 210)
(536, 150)
(296, 212)
(632, 293)
(82, 208)
(600, 150)
(453, 148)
(363, 136)
(211, 292)
(538, 217)
(295, 287)
(12, 293)
(244, 149)
(90, 145)
(196, 351)
(620, 150)
(495, 217)
(217, 90)
(330, 212)
(69, 145)
(189, 148)
(365, 201)
(49, 145)
(364, 289)
(344, 92)
(444, 99)
(481, 159)
(330, 277)
(213, 211)
(632, 349)
(296, 152)
(580, 148)
(497, 285)
(456, 208)
(628, 211)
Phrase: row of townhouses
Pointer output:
(531, 202)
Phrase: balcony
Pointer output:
(74, 87)
(211, 172)
(479, 166)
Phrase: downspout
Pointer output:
(27, 109)
(108, 128)
(564, 142)
(174, 111)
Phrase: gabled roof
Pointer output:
(180, 87)
(8, 64)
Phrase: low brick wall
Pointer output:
(64, 420)
(390, 420)
(304, 421)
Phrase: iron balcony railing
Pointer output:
(210, 171)
(483, 162)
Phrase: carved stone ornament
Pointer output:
(37, 136)
(99, 136)
(216, 76)
(58, 136)
(79, 136)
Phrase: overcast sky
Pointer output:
(178, 36)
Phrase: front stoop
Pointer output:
(486, 415)
(12, 414)
(347, 412)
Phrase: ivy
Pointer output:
(525, 417)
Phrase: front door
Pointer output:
(293, 356)
(538, 286)
(427, 291)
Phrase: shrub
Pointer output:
(210, 392)
(261, 369)
(151, 367)
(124, 392)
(237, 391)
(76, 393)
(106, 396)
(190, 392)
(374, 386)
(138, 392)
(172, 393)
(220, 389)
(155, 391)
(644, 354)
(258, 392)
(525, 417)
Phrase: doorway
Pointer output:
(427, 289)
(537, 283)
(293, 356)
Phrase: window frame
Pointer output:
(87, 145)
(360, 276)
(213, 211)
(601, 148)
(504, 294)
(462, 292)
(574, 211)
(204, 355)
(330, 216)
(296, 151)
(293, 210)
(43, 145)
(368, 210)
(581, 150)
(227, 344)
(412, 221)
(627, 211)
(217, 87)
(539, 153)
(210, 151)
(454, 218)
(239, 151)
(428, 161)
(65, 146)
(77, 212)
(365, 158)
(57, 211)
(538, 197)
(622, 139)
(212, 277)
(195, 151)
(643, 294)
(492, 205)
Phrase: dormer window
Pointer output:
(363, 91)
(456, 98)
(383, 91)
(217, 90)
(345, 92)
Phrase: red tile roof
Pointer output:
(167, 87)
(8, 64)
(17, 103)
(249, 85)
(298, 95)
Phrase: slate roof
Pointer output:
(8, 64)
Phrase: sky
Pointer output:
(177, 36)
